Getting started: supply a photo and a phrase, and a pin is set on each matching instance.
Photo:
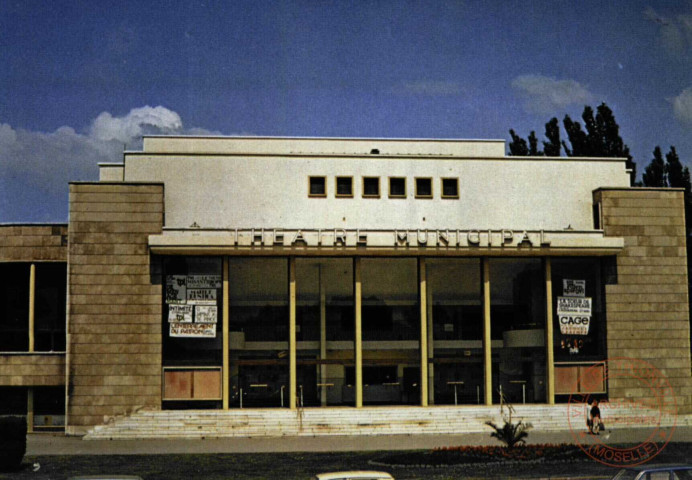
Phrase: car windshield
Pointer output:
(626, 475)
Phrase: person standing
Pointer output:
(595, 418)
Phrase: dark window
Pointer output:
(344, 186)
(579, 279)
(379, 375)
(51, 288)
(424, 188)
(318, 186)
(371, 187)
(450, 188)
(49, 408)
(192, 306)
(14, 307)
(397, 187)
(13, 401)
(596, 208)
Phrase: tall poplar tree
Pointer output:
(600, 137)
(552, 147)
(655, 173)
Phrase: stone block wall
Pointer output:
(648, 309)
(33, 243)
(32, 370)
(114, 302)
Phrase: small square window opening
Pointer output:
(317, 187)
(424, 188)
(450, 188)
(344, 186)
(371, 187)
(397, 187)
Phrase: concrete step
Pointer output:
(352, 421)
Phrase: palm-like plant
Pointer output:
(511, 434)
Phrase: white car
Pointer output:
(354, 475)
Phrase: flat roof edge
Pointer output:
(425, 156)
(96, 182)
(642, 189)
(33, 224)
(355, 139)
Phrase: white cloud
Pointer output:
(546, 95)
(133, 125)
(674, 31)
(682, 106)
(40, 164)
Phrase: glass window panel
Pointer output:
(371, 186)
(192, 311)
(397, 186)
(344, 186)
(14, 307)
(456, 316)
(424, 187)
(325, 330)
(450, 188)
(49, 316)
(258, 322)
(391, 330)
(517, 315)
(318, 186)
(578, 337)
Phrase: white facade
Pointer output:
(228, 183)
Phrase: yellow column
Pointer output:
(431, 349)
(423, 333)
(323, 337)
(487, 351)
(358, 290)
(30, 409)
(225, 327)
(292, 374)
(550, 357)
(32, 301)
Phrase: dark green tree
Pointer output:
(578, 139)
(600, 137)
(655, 173)
(552, 147)
(674, 170)
(533, 145)
(518, 146)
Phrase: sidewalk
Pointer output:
(58, 444)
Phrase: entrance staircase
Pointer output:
(197, 424)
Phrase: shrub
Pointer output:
(12, 442)
(510, 434)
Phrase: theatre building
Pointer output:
(283, 275)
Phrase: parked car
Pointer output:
(655, 472)
(354, 475)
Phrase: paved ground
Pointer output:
(56, 457)
(55, 444)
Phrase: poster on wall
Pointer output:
(573, 288)
(201, 296)
(574, 306)
(176, 289)
(574, 324)
(204, 281)
(205, 313)
(180, 314)
(192, 330)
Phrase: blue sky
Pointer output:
(81, 79)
